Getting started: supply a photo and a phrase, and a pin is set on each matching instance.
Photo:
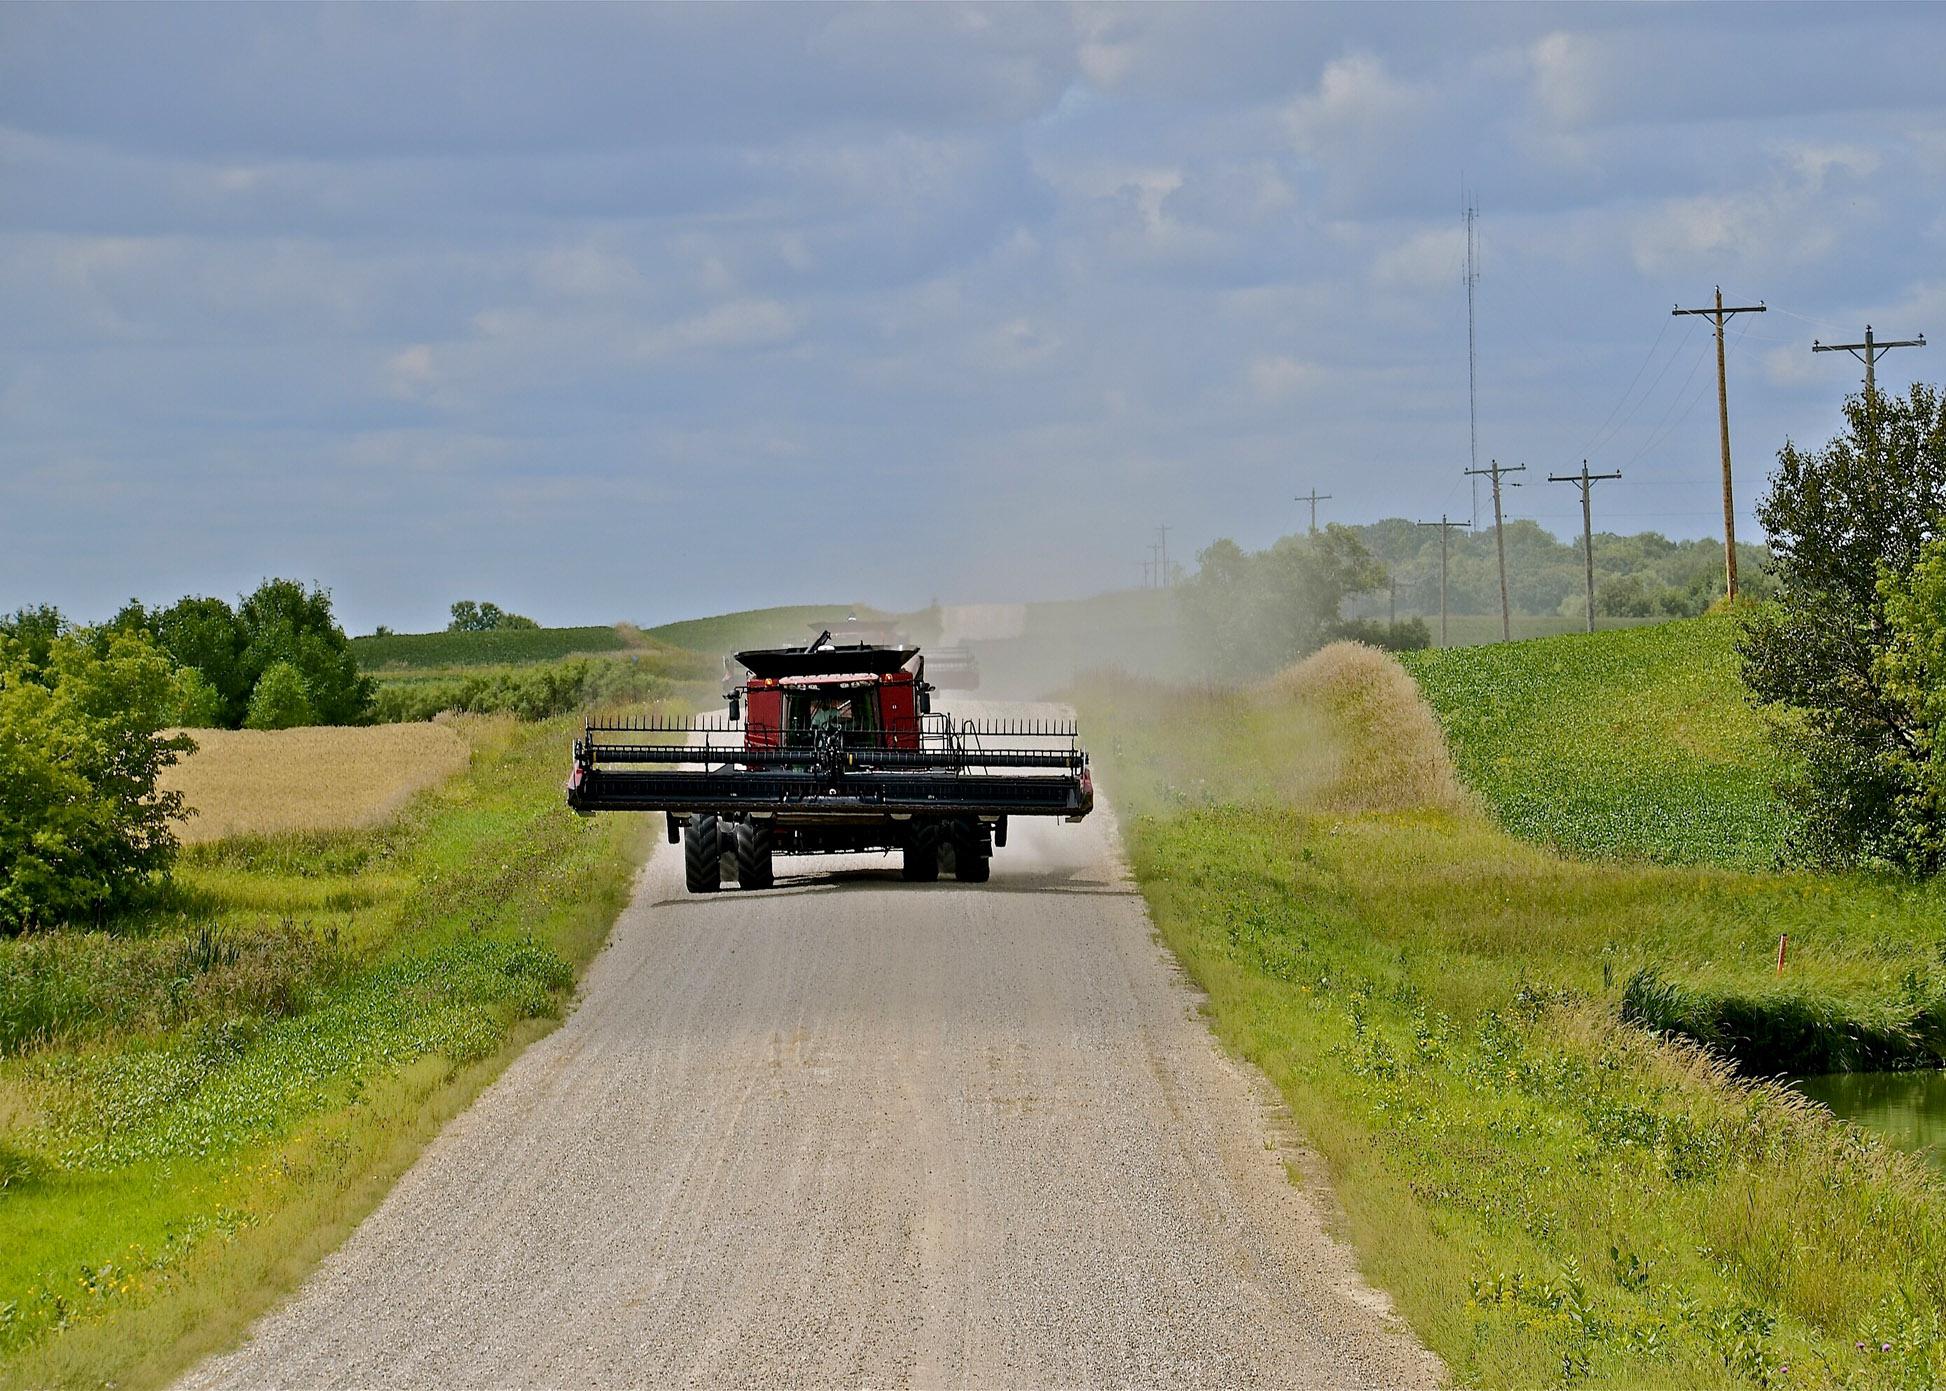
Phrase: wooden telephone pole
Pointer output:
(1445, 532)
(1869, 352)
(1587, 481)
(1500, 540)
(1721, 316)
(1314, 497)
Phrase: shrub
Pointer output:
(197, 704)
(82, 826)
(1401, 635)
(529, 693)
(281, 700)
(1847, 526)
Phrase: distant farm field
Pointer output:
(502, 646)
(268, 782)
(1639, 743)
(730, 632)
(1474, 629)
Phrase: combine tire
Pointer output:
(702, 855)
(921, 855)
(753, 855)
(972, 853)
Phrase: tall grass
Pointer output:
(1552, 1193)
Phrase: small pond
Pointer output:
(1905, 1109)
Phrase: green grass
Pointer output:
(772, 627)
(1638, 743)
(195, 1107)
(1550, 1194)
(504, 646)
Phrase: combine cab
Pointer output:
(832, 749)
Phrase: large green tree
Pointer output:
(82, 826)
(1847, 526)
(282, 621)
(1250, 613)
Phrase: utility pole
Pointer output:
(1446, 530)
(1314, 497)
(1162, 560)
(1500, 540)
(1721, 316)
(1587, 480)
(1869, 352)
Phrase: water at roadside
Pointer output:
(1905, 1109)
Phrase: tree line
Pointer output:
(1645, 575)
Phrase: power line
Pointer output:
(1590, 444)
(1681, 405)
(1587, 481)
(1719, 315)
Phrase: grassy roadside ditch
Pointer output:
(1551, 1194)
(198, 1105)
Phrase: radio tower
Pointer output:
(1472, 395)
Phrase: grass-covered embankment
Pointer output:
(1550, 1193)
(1638, 743)
(198, 1104)
(733, 632)
(494, 647)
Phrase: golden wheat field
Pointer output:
(261, 782)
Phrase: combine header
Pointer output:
(832, 749)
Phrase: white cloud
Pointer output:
(737, 326)
(1570, 73)
(1281, 377)
(1427, 260)
(1357, 110)
(1812, 203)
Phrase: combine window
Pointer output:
(809, 713)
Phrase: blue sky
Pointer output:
(641, 312)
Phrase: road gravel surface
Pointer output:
(853, 1131)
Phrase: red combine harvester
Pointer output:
(832, 749)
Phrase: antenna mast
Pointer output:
(1472, 394)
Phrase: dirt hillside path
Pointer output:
(855, 1131)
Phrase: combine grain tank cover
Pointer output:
(833, 660)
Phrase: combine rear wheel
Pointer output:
(921, 855)
(972, 853)
(702, 855)
(753, 855)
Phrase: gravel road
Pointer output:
(851, 1131)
